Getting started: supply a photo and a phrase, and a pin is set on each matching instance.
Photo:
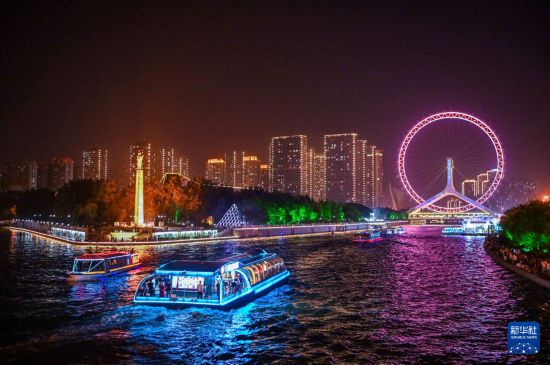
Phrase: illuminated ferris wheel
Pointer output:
(471, 149)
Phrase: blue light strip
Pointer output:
(271, 281)
(183, 273)
(168, 300)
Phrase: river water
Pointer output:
(407, 300)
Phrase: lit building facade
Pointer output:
(378, 168)
(317, 176)
(95, 164)
(59, 172)
(138, 196)
(288, 164)
(363, 165)
(183, 166)
(340, 152)
(375, 177)
(235, 169)
(482, 183)
(170, 162)
(215, 171)
(20, 176)
(149, 168)
(264, 177)
(251, 172)
(167, 161)
(469, 188)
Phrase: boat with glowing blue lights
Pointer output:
(367, 237)
(224, 283)
(478, 227)
(99, 265)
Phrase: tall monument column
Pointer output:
(138, 209)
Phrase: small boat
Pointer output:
(98, 265)
(224, 283)
(368, 237)
(394, 231)
(453, 231)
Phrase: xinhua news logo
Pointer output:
(523, 338)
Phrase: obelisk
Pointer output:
(138, 211)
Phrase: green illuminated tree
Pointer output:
(528, 226)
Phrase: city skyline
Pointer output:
(361, 74)
(362, 161)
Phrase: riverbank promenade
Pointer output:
(527, 265)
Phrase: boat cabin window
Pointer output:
(233, 283)
(179, 287)
(265, 269)
(119, 261)
(89, 265)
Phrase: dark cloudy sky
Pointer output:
(209, 78)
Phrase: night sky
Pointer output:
(209, 79)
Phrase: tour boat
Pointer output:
(394, 231)
(217, 284)
(99, 265)
(368, 237)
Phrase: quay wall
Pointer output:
(271, 231)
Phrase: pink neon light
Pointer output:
(451, 115)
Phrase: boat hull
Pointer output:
(73, 276)
(245, 298)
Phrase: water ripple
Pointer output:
(410, 300)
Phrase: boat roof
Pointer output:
(213, 266)
(102, 255)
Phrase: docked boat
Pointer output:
(391, 231)
(367, 237)
(219, 284)
(98, 265)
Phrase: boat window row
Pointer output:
(264, 269)
(199, 288)
(89, 265)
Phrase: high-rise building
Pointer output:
(317, 176)
(20, 176)
(169, 161)
(264, 177)
(370, 175)
(469, 188)
(378, 178)
(288, 164)
(341, 179)
(30, 174)
(251, 172)
(363, 179)
(215, 171)
(183, 166)
(60, 172)
(235, 168)
(482, 183)
(95, 164)
(149, 168)
(43, 177)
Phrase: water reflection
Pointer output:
(410, 299)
